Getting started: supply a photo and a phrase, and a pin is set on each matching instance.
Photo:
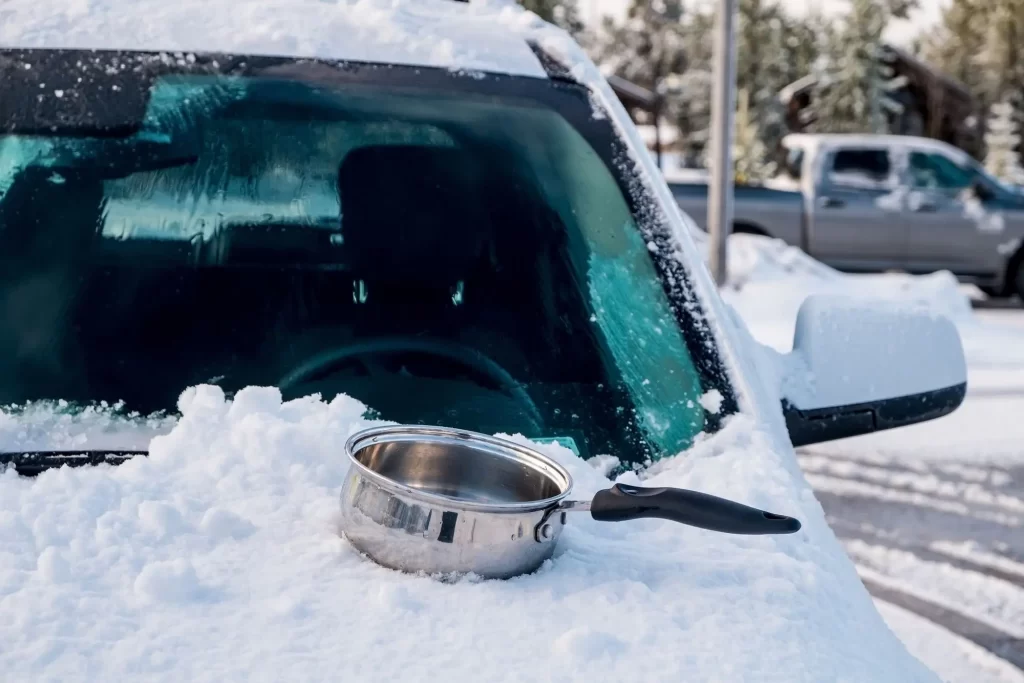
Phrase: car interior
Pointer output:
(446, 292)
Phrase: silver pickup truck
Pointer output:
(870, 203)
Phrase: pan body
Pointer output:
(443, 501)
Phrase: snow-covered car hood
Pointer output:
(435, 33)
(218, 557)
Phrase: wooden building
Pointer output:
(934, 105)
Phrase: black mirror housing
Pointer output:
(859, 367)
(840, 422)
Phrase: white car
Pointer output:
(425, 212)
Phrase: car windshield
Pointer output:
(460, 249)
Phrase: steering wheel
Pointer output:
(487, 371)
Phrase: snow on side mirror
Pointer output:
(859, 367)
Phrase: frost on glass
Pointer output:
(20, 153)
(290, 177)
(646, 343)
(631, 309)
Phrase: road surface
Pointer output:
(933, 515)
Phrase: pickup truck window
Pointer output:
(937, 171)
(793, 162)
(861, 168)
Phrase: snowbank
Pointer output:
(218, 559)
(769, 280)
(956, 658)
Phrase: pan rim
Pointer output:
(498, 447)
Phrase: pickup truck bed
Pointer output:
(756, 209)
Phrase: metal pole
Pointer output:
(723, 105)
(657, 132)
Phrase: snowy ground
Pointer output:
(932, 515)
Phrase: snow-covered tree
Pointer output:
(671, 52)
(688, 98)
(1003, 140)
(688, 95)
(956, 46)
(648, 46)
(773, 50)
(646, 49)
(855, 86)
(978, 42)
(750, 154)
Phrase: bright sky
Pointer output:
(899, 32)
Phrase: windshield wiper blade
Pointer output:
(31, 463)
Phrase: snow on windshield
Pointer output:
(218, 558)
(58, 426)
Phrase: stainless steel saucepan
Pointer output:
(437, 500)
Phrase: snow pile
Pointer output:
(218, 558)
(769, 280)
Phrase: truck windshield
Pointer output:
(456, 250)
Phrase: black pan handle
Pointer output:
(623, 502)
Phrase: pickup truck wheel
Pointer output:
(1015, 276)
(748, 229)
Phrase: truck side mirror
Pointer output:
(861, 368)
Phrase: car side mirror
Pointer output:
(857, 367)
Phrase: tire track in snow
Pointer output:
(965, 517)
(928, 554)
(1000, 644)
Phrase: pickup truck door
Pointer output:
(855, 215)
(950, 227)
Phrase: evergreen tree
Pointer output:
(648, 47)
(1002, 58)
(955, 47)
(981, 44)
(671, 52)
(855, 86)
(750, 154)
(1003, 140)
(773, 50)
(688, 95)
